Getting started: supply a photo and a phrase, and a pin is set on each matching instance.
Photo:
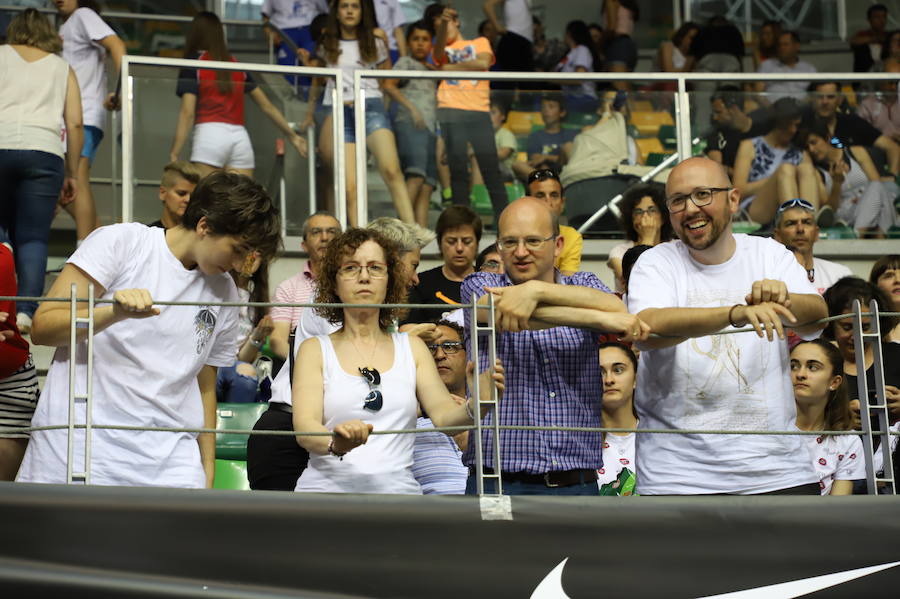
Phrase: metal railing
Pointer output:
(128, 133)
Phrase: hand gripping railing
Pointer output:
(77, 322)
(879, 409)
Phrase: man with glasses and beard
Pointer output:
(548, 328)
(690, 376)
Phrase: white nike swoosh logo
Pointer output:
(551, 586)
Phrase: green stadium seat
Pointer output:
(841, 232)
(481, 200)
(655, 158)
(893, 233)
(235, 416)
(514, 191)
(668, 137)
(231, 474)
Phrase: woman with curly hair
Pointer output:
(362, 378)
(644, 220)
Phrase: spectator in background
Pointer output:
(389, 18)
(618, 367)
(628, 261)
(178, 182)
(489, 260)
(580, 97)
(732, 125)
(415, 122)
(40, 94)
(293, 17)
(596, 31)
(644, 220)
(890, 53)
(213, 103)
(318, 231)
(881, 108)
(18, 378)
(547, 52)
(551, 146)
(458, 235)
(866, 44)
(787, 61)
(717, 48)
(410, 239)
(796, 228)
(820, 393)
(770, 170)
(504, 139)
(464, 111)
(619, 49)
(849, 185)
(514, 49)
(87, 40)
(437, 457)
(849, 129)
(885, 275)
(674, 55)
(487, 30)
(544, 185)
(766, 45)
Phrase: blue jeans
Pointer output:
(30, 182)
(520, 488)
(232, 387)
(416, 148)
(376, 118)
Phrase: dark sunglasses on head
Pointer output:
(542, 174)
(796, 203)
(836, 142)
(374, 400)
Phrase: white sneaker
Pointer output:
(23, 321)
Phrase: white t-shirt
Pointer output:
(828, 273)
(384, 463)
(81, 35)
(348, 62)
(310, 325)
(579, 56)
(736, 381)
(292, 14)
(145, 369)
(776, 90)
(836, 458)
(618, 453)
(517, 18)
(389, 16)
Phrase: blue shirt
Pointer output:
(437, 462)
(552, 379)
(541, 142)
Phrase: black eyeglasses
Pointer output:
(449, 347)
(374, 400)
(700, 197)
(796, 203)
(542, 174)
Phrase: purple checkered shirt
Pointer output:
(552, 379)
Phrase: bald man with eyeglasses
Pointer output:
(692, 377)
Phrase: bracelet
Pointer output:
(730, 313)
(469, 410)
(331, 451)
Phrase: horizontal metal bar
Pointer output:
(218, 65)
(582, 77)
(133, 16)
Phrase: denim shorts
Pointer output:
(92, 138)
(375, 119)
(416, 148)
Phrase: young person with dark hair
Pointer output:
(885, 274)
(151, 365)
(731, 125)
(458, 235)
(618, 367)
(178, 182)
(644, 220)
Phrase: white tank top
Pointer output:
(32, 101)
(384, 463)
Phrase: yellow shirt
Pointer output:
(569, 260)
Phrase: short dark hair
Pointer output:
(500, 104)
(458, 216)
(235, 204)
(794, 35)
(346, 244)
(839, 299)
(621, 346)
(889, 262)
(886, 46)
(875, 8)
(420, 24)
(815, 85)
(729, 95)
(482, 255)
(629, 259)
(455, 328)
(785, 111)
(630, 201)
(682, 32)
(837, 408)
(558, 98)
(432, 11)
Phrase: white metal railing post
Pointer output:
(114, 159)
(340, 164)
(683, 119)
(842, 19)
(359, 116)
(474, 331)
(75, 323)
(127, 99)
(311, 166)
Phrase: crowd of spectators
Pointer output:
(570, 351)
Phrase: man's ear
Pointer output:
(162, 193)
(202, 228)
